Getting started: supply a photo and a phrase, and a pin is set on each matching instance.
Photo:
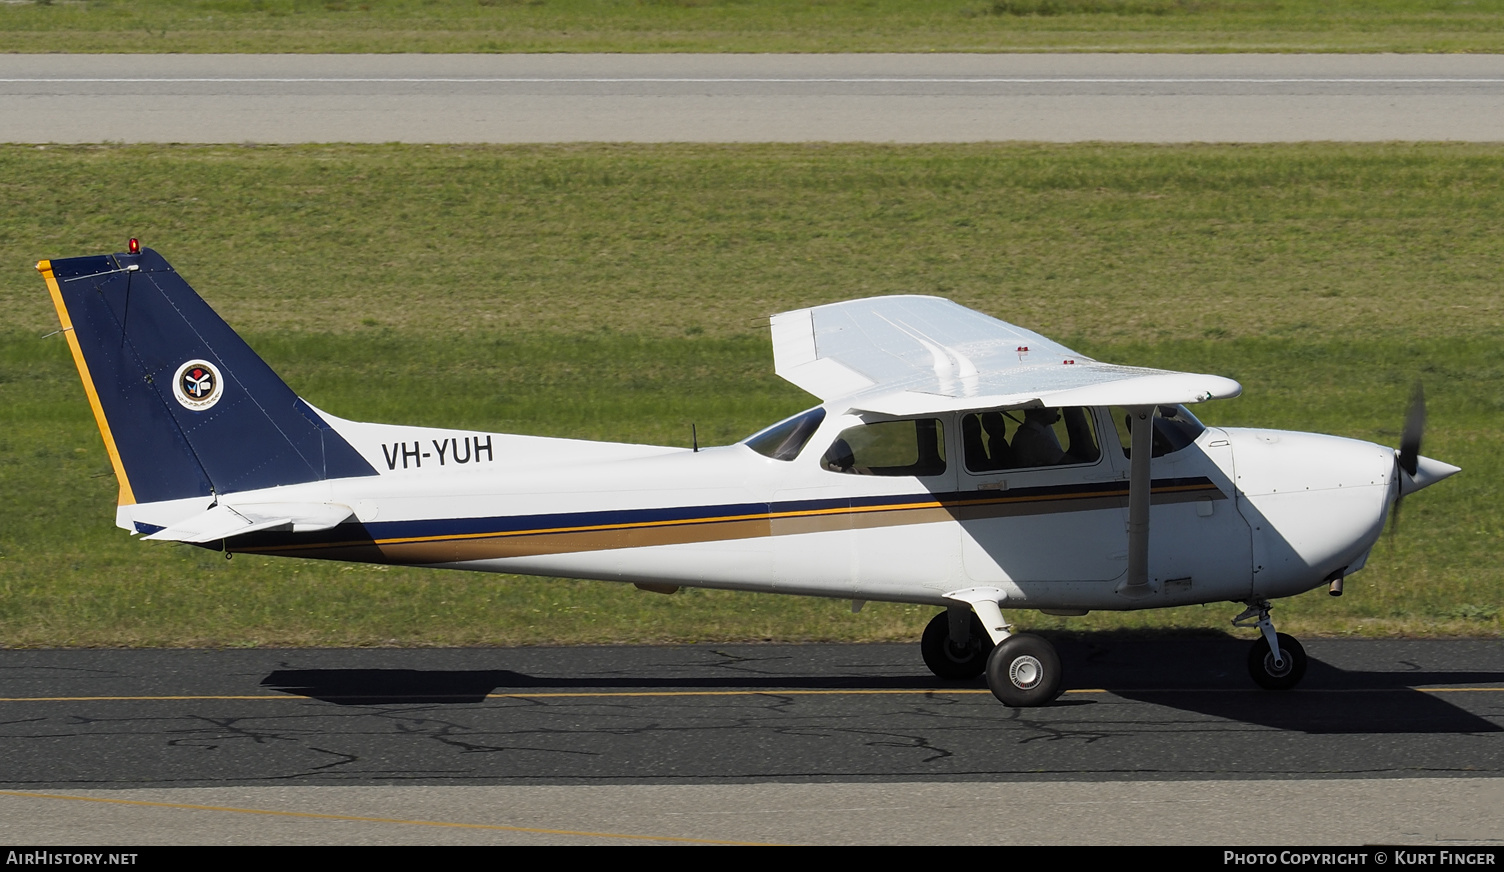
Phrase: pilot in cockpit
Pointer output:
(840, 458)
(1035, 443)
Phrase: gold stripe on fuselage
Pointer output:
(460, 547)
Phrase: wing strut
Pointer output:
(1139, 486)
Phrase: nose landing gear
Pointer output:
(1276, 661)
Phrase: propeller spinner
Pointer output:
(1419, 472)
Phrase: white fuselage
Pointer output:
(1237, 515)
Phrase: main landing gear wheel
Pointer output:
(1282, 675)
(949, 660)
(1024, 670)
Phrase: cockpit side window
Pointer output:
(1174, 428)
(889, 448)
(784, 440)
(1028, 438)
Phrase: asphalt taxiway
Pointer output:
(1156, 740)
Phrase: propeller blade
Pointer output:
(1415, 426)
(1408, 457)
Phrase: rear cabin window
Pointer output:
(784, 440)
(889, 448)
(1029, 438)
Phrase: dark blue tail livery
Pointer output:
(186, 408)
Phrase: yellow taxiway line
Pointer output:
(763, 692)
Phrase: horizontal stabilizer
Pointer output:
(224, 521)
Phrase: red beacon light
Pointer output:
(134, 246)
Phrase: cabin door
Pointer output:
(1039, 497)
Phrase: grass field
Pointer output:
(750, 25)
(621, 292)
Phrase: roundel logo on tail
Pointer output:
(197, 386)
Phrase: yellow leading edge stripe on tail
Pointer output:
(127, 498)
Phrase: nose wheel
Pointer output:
(1277, 673)
(1276, 661)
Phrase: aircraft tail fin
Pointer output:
(185, 407)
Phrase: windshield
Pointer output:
(1174, 428)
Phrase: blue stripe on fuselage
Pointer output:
(1057, 498)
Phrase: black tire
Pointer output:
(1267, 674)
(1024, 671)
(950, 661)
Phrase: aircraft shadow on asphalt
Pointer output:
(1198, 675)
(1209, 676)
(394, 686)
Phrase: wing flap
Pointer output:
(1141, 388)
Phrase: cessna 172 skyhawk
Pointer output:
(954, 460)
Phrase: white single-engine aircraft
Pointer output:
(954, 460)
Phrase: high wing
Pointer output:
(907, 355)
